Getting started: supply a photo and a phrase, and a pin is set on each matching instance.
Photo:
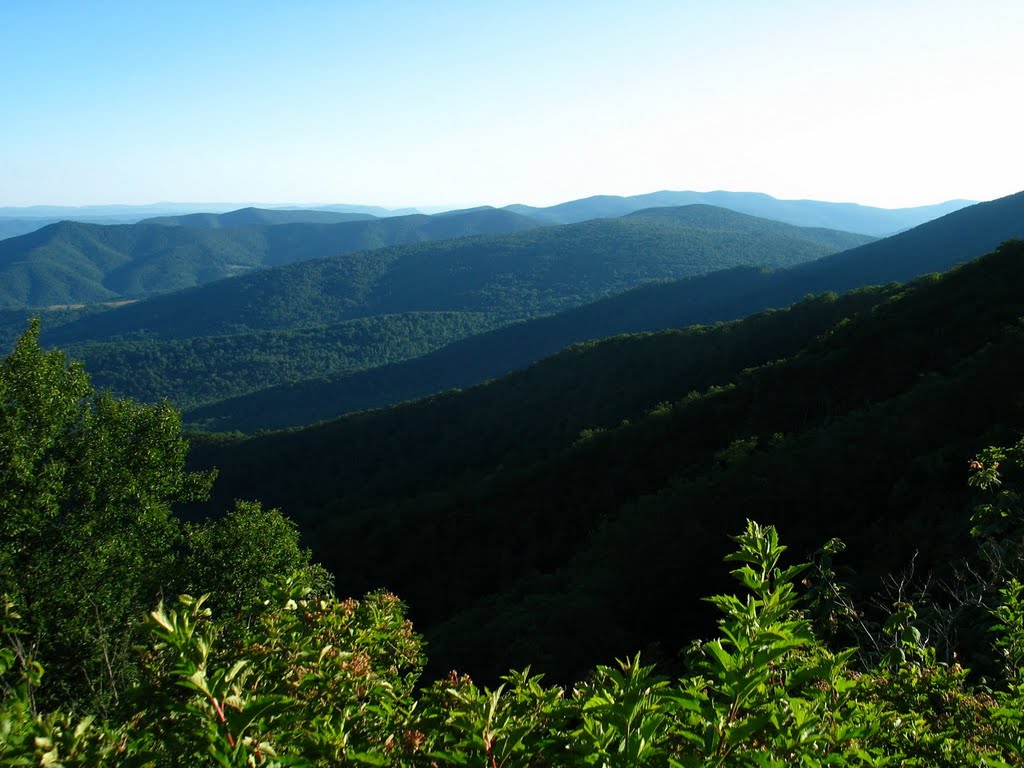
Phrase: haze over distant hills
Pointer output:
(849, 217)
(805, 213)
(244, 217)
(16, 221)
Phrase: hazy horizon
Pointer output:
(459, 104)
(218, 206)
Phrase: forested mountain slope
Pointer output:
(932, 247)
(203, 369)
(864, 432)
(519, 418)
(16, 221)
(12, 227)
(363, 310)
(271, 666)
(73, 263)
(519, 274)
(848, 217)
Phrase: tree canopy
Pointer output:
(88, 541)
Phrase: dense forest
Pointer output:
(101, 666)
(557, 468)
(540, 269)
(723, 295)
(528, 571)
(207, 369)
(75, 263)
(377, 307)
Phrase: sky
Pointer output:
(458, 103)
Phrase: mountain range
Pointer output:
(16, 221)
(932, 247)
(244, 217)
(345, 313)
(632, 388)
(806, 213)
(849, 217)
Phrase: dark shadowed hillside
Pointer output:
(862, 431)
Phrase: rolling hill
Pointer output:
(16, 221)
(202, 369)
(73, 263)
(932, 247)
(490, 280)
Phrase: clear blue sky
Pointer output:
(892, 103)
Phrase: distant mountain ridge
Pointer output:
(149, 210)
(849, 217)
(16, 221)
(245, 217)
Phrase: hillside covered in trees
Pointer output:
(184, 599)
(101, 665)
(77, 263)
(725, 295)
(343, 314)
(581, 467)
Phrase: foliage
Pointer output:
(194, 371)
(311, 677)
(316, 681)
(575, 362)
(221, 552)
(86, 536)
